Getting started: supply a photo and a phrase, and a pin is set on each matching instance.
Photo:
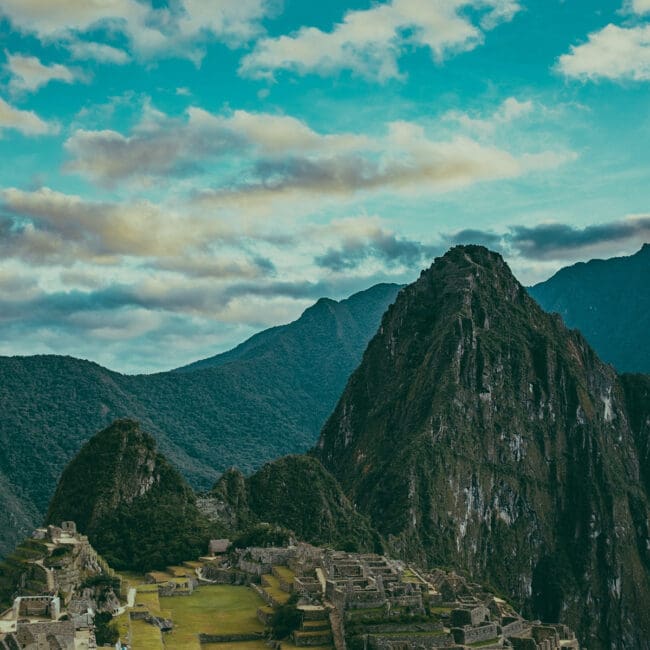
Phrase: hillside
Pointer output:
(295, 492)
(480, 433)
(267, 398)
(609, 302)
(136, 509)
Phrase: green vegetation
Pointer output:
(266, 398)
(286, 618)
(106, 631)
(277, 493)
(136, 509)
(145, 636)
(213, 609)
(18, 568)
(609, 302)
(263, 535)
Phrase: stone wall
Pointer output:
(31, 636)
(230, 638)
(469, 634)
(398, 642)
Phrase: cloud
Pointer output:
(46, 225)
(378, 245)
(370, 42)
(28, 74)
(178, 28)
(27, 122)
(509, 110)
(559, 241)
(88, 50)
(48, 228)
(614, 53)
(487, 238)
(162, 146)
(639, 6)
(406, 161)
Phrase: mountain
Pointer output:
(136, 509)
(295, 492)
(268, 397)
(480, 433)
(609, 302)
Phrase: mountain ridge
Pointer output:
(609, 301)
(243, 413)
(479, 432)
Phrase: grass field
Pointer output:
(145, 636)
(285, 573)
(213, 609)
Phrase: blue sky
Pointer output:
(182, 173)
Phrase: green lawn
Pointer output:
(145, 636)
(285, 573)
(213, 609)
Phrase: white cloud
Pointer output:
(163, 146)
(26, 122)
(509, 110)
(29, 74)
(182, 28)
(406, 161)
(59, 224)
(615, 53)
(370, 42)
(87, 50)
(281, 156)
(640, 6)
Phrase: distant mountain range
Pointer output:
(478, 433)
(609, 302)
(265, 398)
(268, 397)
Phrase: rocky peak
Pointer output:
(480, 433)
(128, 499)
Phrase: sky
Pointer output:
(179, 174)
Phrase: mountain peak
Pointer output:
(119, 482)
(478, 432)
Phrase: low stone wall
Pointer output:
(306, 585)
(314, 614)
(378, 642)
(393, 628)
(266, 597)
(515, 628)
(523, 643)
(226, 576)
(264, 617)
(312, 639)
(256, 568)
(467, 634)
(230, 638)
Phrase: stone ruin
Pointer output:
(37, 607)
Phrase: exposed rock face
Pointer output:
(480, 433)
(296, 492)
(137, 511)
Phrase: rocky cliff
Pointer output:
(137, 510)
(480, 433)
